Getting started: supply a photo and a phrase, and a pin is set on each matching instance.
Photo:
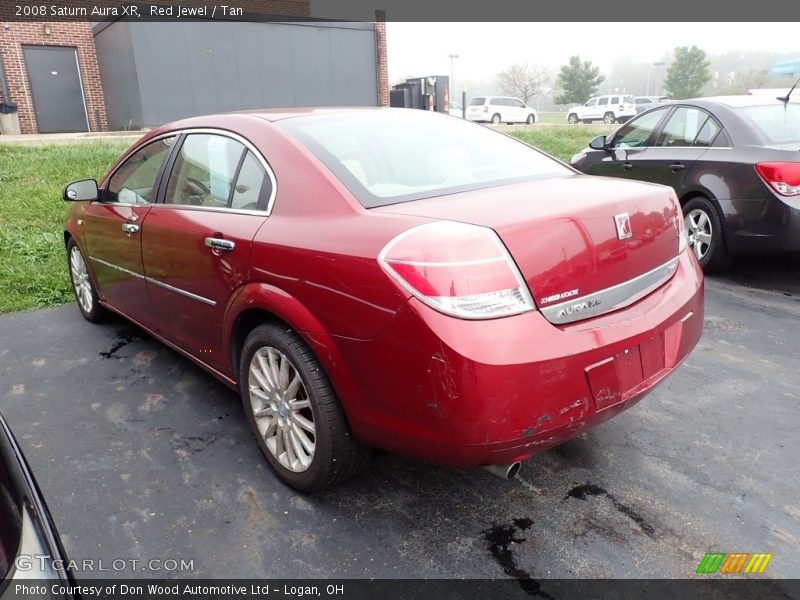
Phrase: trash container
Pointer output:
(9, 119)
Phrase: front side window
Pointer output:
(682, 127)
(643, 101)
(399, 156)
(204, 171)
(134, 180)
(636, 132)
(602, 101)
(592, 102)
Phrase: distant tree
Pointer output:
(523, 81)
(754, 79)
(687, 74)
(578, 80)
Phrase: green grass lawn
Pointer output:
(33, 269)
(33, 266)
(561, 141)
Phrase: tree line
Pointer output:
(579, 80)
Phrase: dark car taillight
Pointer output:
(783, 177)
(459, 269)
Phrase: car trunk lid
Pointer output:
(578, 241)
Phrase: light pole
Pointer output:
(658, 66)
(453, 57)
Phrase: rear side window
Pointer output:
(496, 102)
(398, 156)
(253, 187)
(708, 133)
(477, 101)
(682, 127)
(204, 171)
(134, 179)
(615, 100)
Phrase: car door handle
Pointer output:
(627, 166)
(130, 228)
(220, 244)
(675, 167)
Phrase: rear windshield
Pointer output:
(398, 155)
(779, 124)
(477, 101)
(627, 99)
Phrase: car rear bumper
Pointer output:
(471, 393)
(763, 226)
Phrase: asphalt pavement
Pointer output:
(142, 455)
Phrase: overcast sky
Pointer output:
(486, 48)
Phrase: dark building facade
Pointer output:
(75, 76)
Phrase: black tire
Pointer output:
(531, 119)
(713, 257)
(337, 455)
(573, 119)
(495, 119)
(609, 118)
(94, 313)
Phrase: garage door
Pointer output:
(56, 88)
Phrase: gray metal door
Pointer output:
(56, 88)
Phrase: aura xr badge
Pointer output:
(623, 222)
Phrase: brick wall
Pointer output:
(15, 34)
(382, 61)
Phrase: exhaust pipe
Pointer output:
(504, 471)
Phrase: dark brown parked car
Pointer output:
(734, 163)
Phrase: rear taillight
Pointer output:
(783, 177)
(485, 108)
(459, 269)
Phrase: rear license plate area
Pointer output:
(617, 377)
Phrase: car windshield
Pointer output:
(779, 124)
(398, 155)
(477, 101)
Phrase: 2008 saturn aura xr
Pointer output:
(389, 278)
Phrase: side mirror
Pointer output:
(598, 143)
(81, 191)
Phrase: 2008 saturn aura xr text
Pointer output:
(389, 278)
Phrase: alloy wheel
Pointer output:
(282, 409)
(80, 280)
(698, 225)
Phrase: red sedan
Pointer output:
(389, 278)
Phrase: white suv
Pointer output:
(500, 109)
(609, 109)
